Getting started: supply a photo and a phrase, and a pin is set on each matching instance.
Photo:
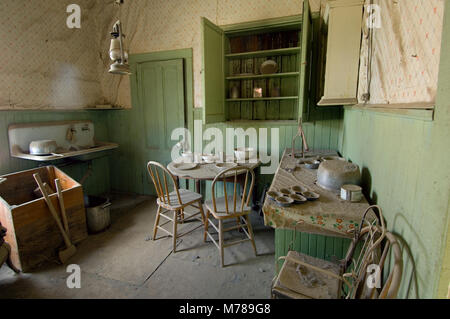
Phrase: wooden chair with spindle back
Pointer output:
(235, 207)
(176, 201)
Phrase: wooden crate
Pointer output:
(32, 232)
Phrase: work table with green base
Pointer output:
(321, 228)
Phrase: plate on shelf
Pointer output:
(185, 166)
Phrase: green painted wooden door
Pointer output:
(161, 97)
(305, 62)
(213, 40)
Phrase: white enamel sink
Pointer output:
(82, 146)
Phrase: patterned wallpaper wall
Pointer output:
(44, 64)
(173, 24)
(406, 52)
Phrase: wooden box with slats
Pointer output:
(31, 230)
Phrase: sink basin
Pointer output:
(82, 147)
(99, 150)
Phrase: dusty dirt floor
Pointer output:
(123, 262)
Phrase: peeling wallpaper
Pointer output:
(175, 24)
(406, 52)
(44, 64)
(47, 65)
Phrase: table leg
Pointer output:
(197, 186)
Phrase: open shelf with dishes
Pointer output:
(261, 74)
(257, 70)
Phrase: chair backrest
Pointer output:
(374, 244)
(230, 175)
(161, 177)
(392, 284)
(364, 250)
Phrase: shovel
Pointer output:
(62, 206)
(70, 250)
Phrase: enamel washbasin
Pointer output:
(78, 145)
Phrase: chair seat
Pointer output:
(187, 197)
(221, 212)
(301, 282)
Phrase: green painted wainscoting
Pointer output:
(406, 170)
(97, 183)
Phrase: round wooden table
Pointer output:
(205, 172)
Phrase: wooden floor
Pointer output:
(123, 262)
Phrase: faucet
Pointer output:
(300, 133)
(71, 137)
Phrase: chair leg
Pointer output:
(205, 236)
(155, 227)
(202, 213)
(221, 242)
(250, 232)
(182, 216)
(175, 224)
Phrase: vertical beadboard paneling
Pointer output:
(97, 183)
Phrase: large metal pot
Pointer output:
(97, 213)
(43, 147)
(332, 175)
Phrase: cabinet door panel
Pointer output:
(344, 24)
(213, 73)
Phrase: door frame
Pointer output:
(186, 55)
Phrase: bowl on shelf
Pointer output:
(269, 67)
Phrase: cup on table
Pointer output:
(197, 158)
(188, 157)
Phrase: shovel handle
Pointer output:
(62, 206)
(38, 180)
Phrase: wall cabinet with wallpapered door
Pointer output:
(236, 89)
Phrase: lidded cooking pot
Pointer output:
(332, 175)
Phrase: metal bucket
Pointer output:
(97, 213)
